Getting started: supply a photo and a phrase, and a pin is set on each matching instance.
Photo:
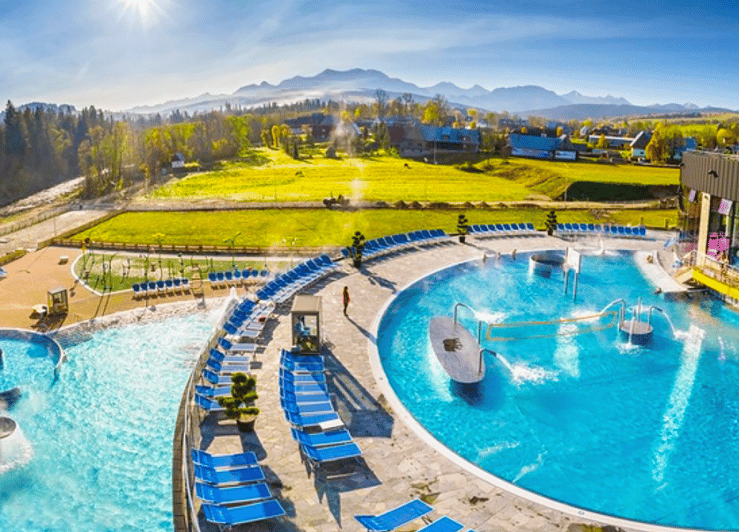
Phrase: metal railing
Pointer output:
(191, 421)
(712, 267)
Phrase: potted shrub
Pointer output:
(357, 248)
(240, 406)
(462, 227)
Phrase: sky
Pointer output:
(118, 54)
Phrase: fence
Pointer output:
(17, 226)
(187, 434)
(198, 249)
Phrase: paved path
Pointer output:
(398, 465)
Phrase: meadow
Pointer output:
(307, 228)
(271, 176)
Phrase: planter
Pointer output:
(461, 239)
(246, 424)
(357, 263)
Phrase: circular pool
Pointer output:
(569, 408)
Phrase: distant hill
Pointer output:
(48, 107)
(583, 111)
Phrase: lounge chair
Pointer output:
(302, 367)
(304, 398)
(218, 461)
(237, 347)
(211, 392)
(227, 369)
(313, 359)
(306, 378)
(324, 421)
(301, 388)
(321, 439)
(239, 515)
(303, 409)
(223, 359)
(242, 494)
(207, 404)
(443, 524)
(244, 475)
(394, 518)
(319, 456)
(215, 379)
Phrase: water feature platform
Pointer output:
(7, 427)
(457, 350)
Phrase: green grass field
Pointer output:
(270, 176)
(322, 227)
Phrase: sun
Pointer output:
(146, 11)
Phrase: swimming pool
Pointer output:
(101, 435)
(645, 433)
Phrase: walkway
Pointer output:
(398, 464)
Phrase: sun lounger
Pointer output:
(307, 409)
(219, 461)
(218, 380)
(394, 518)
(207, 404)
(219, 357)
(321, 439)
(303, 388)
(443, 524)
(211, 392)
(244, 475)
(237, 347)
(239, 515)
(235, 494)
(302, 367)
(325, 420)
(319, 456)
(227, 369)
(306, 378)
(303, 398)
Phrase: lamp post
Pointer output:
(232, 242)
(159, 237)
(291, 245)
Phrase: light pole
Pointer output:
(291, 245)
(232, 241)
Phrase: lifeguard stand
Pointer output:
(306, 324)
(58, 301)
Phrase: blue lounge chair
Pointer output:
(152, 287)
(303, 388)
(591, 228)
(242, 494)
(215, 379)
(642, 231)
(394, 518)
(219, 477)
(212, 278)
(207, 404)
(302, 367)
(305, 378)
(211, 392)
(216, 461)
(531, 228)
(185, 284)
(583, 228)
(177, 283)
(621, 230)
(227, 369)
(319, 456)
(443, 524)
(169, 284)
(136, 289)
(238, 347)
(614, 230)
(304, 398)
(313, 420)
(295, 357)
(321, 439)
(239, 515)
(307, 409)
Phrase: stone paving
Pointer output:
(397, 464)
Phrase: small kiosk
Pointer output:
(58, 301)
(306, 324)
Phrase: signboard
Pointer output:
(725, 207)
(691, 196)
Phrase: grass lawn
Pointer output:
(323, 227)
(127, 270)
(272, 176)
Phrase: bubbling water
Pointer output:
(15, 450)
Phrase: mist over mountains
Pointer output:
(359, 85)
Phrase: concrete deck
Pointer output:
(398, 464)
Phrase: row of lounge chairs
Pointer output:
(389, 244)
(495, 230)
(287, 284)
(248, 319)
(573, 229)
(406, 513)
(162, 287)
(306, 404)
(233, 479)
(237, 277)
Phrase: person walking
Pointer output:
(346, 298)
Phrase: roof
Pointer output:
(532, 142)
(450, 134)
(640, 141)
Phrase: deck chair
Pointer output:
(239, 515)
(321, 439)
(443, 524)
(220, 461)
(243, 475)
(320, 456)
(236, 494)
(207, 404)
(394, 518)
(211, 392)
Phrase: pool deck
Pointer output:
(398, 463)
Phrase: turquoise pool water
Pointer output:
(646, 433)
(102, 434)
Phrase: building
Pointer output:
(539, 147)
(639, 144)
(710, 228)
(413, 139)
(321, 126)
(688, 144)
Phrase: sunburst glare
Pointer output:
(145, 12)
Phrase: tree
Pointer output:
(560, 131)
(276, 134)
(431, 114)
(656, 150)
(265, 138)
(551, 222)
(381, 98)
(407, 98)
(602, 142)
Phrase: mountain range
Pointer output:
(358, 85)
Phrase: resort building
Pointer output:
(542, 147)
(710, 231)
